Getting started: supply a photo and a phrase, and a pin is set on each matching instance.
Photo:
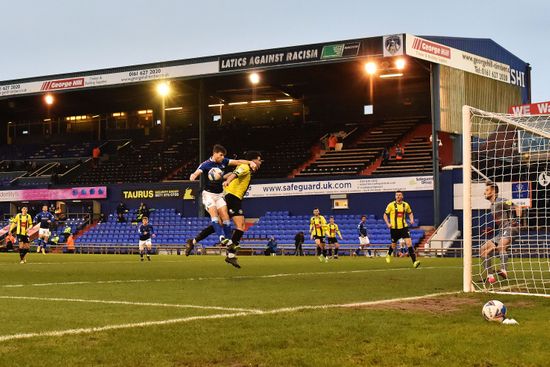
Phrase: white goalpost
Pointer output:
(506, 202)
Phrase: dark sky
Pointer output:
(60, 36)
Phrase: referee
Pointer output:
(395, 218)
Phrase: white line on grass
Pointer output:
(281, 275)
(120, 326)
(90, 282)
(16, 264)
(216, 316)
(153, 304)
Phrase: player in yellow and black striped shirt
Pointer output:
(332, 232)
(236, 185)
(395, 218)
(318, 231)
(22, 223)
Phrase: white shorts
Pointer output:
(43, 232)
(364, 241)
(210, 200)
(144, 243)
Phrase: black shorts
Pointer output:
(320, 238)
(234, 205)
(332, 240)
(396, 234)
(23, 238)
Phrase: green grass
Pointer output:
(446, 330)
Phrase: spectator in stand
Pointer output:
(66, 232)
(399, 152)
(96, 153)
(121, 209)
(332, 140)
(298, 242)
(70, 244)
(340, 142)
(385, 156)
(143, 211)
(271, 248)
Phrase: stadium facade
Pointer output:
(317, 82)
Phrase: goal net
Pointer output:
(506, 202)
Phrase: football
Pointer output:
(494, 311)
(215, 174)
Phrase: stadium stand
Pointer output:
(40, 164)
(284, 227)
(287, 150)
(137, 161)
(75, 223)
(36, 152)
(355, 158)
(173, 230)
(282, 149)
(417, 159)
(170, 228)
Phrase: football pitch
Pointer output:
(113, 310)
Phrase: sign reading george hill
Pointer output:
(288, 56)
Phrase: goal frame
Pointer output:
(467, 180)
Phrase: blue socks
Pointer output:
(227, 229)
(217, 227)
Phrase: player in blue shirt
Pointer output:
(45, 218)
(364, 241)
(212, 194)
(146, 232)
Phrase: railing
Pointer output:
(40, 170)
(75, 167)
(85, 216)
(443, 247)
(445, 234)
(11, 174)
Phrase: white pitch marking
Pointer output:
(358, 304)
(216, 316)
(521, 294)
(153, 304)
(116, 281)
(120, 326)
(281, 275)
(16, 264)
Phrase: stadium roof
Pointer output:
(326, 52)
(480, 46)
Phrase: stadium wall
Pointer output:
(363, 203)
(171, 195)
(182, 196)
(459, 88)
(177, 195)
(372, 203)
